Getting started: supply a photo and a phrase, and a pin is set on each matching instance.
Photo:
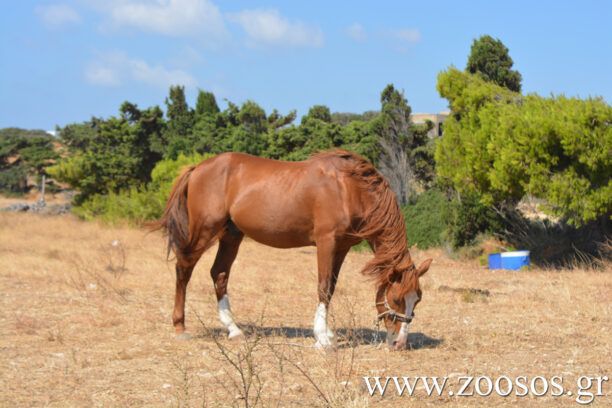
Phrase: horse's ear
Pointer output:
(424, 267)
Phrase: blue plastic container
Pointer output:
(495, 261)
(513, 261)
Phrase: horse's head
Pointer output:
(396, 301)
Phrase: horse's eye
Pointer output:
(397, 301)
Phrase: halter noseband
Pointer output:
(395, 316)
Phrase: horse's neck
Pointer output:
(404, 261)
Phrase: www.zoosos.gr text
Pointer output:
(584, 390)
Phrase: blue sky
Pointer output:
(64, 61)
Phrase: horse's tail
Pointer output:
(175, 220)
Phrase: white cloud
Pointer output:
(169, 17)
(102, 75)
(114, 69)
(404, 38)
(57, 15)
(158, 75)
(270, 28)
(356, 32)
(408, 36)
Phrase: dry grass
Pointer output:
(87, 323)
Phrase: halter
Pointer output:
(395, 316)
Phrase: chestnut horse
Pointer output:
(333, 201)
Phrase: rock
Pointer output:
(39, 207)
(17, 207)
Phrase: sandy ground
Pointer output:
(84, 322)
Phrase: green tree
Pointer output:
(501, 145)
(120, 154)
(400, 143)
(359, 136)
(320, 112)
(24, 153)
(76, 136)
(206, 133)
(148, 127)
(490, 58)
(206, 104)
(277, 121)
(344, 118)
(316, 132)
(250, 136)
(179, 129)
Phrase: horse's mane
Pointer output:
(383, 223)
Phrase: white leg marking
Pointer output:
(391, 338)
(225, 315)
(324, 336)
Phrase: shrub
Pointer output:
(14, 180)
(138, 205)
(165, 171)
(134, 206)
(427, 219)
(470, 217)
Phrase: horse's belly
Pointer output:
(279, 240)
(275, 229)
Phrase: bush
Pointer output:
(14, 180)
(138, 205)
(427, 219)
(134, 206)
(468, 218)
(166, 171)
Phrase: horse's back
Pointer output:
(278, 203)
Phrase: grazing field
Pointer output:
(85, 320)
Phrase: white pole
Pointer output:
(42, 190)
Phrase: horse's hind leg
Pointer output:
(220, 271)
(184, 267)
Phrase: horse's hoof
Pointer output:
(183, 336)
(325, 345)
(235, 335)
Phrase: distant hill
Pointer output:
(25, 133)
(24, 156)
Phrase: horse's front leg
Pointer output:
(329, 260)
(226, 254)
